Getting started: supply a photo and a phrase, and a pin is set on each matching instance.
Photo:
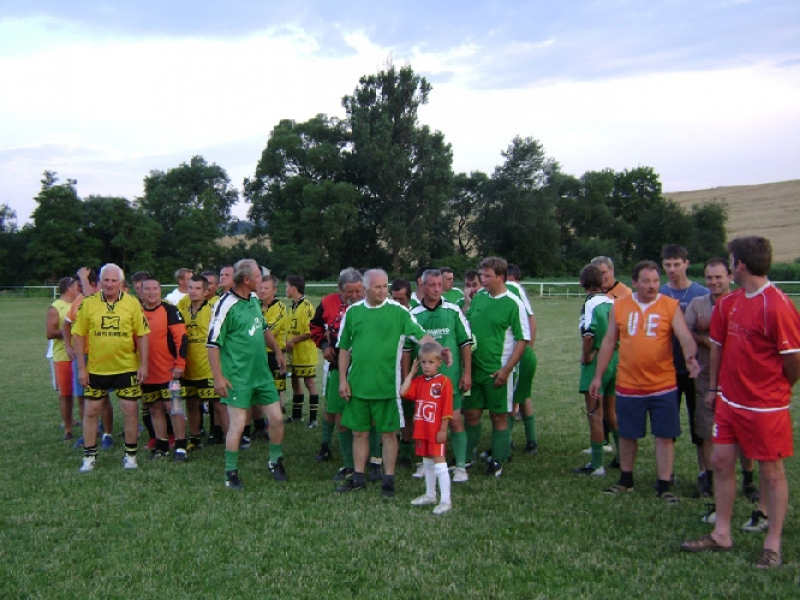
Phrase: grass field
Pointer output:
(174, 531)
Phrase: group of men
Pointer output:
(640, 355)
(734, 357)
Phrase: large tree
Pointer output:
(192, 204)
(403, 169)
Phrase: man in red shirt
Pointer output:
(755, 361)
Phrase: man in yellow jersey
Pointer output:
(110, 327)
(56, 313)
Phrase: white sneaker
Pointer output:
(442, 508)
(424, 501)
(420, 472)
(758, 522)
(88, 464)
(460, 475)
(129, 462)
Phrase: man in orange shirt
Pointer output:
(644, 324)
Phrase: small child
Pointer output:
(432, 393)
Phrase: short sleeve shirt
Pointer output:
(497, 323)
(375, 336)
(594, 318)
(277, 319)
(700, 308)
(433, 403)
(197, 324)
(684, 296)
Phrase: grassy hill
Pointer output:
(771, 210)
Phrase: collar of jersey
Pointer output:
(438, 304)
(381, 305)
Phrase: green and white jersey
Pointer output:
(519, 291)
(594, 317)
(497, 323)
(237, 329)
(447, 325)
(454, 296)
(375, 336)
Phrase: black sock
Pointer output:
(260, 424)
(148, 422)
(662, 486)
(130, 449)
(297, 406)
(246, 432)
(747, 477)
(626, 479)
(170, 430)
(162, 446)
(313, 405)
(710, 479)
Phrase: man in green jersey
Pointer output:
(242, 377)
(445, 323)
(370, 342)
(450, 293)
(501, 331)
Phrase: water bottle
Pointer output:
(176, 407)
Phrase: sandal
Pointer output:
(769, 559)
(668, 497)
(705, 543)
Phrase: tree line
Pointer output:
(375, 188)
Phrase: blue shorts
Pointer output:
(77, 388)
(665, 419)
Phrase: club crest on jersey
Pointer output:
(436, 390)
(110, 322)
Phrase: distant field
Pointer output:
(771, 210)
(174, 531)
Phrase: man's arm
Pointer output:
(501, 376)
(221, 385)
(53, 330)
(532, 323)
(605, 354)
(80, 355)
(587, 350)
(143, 346)
(273, 345)
(791, 366)
(688, 345)
(66, 333)
(344, 365)
(465, 381)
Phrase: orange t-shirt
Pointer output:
(646, 365)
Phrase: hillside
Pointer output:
(771, 210)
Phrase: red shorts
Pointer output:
(64, 377)
(764, 436)
(426, 448)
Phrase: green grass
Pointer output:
(174, 531)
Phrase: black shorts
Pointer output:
(126, 386)
(153, 392)
(280, 380)
(198, 388)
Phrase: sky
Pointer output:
(707, 93)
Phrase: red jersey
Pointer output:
(326, 322)
(433, 403)
(167, 347)
(754, 331)
(646, 365)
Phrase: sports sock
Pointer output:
(346, 447)
(430, 477)
(597, 455)
(510, 420)
(170, 430)
(747, 478)
(180, 444)
(313, 406)
(626, 479)
(473, 437)
(710, 479)
(443, 477)
(297, 406)
(529, 423)
(662, 486)
(406, 449)
(260, 424)
(374, 444)
(460, 447)
(500, 441)
(327, 432)
(148, 421)
(606, 431)
(246, 432)
(130, 448)
(275, 452)
(89, 451)
(162, 446)
(231, 460)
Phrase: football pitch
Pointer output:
(170, 531)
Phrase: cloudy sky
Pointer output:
(103, 91)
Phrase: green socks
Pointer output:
(346, 447)
(473, 437)
(501, 440)
(231, 460)
(460, 447)
(530, 428)
(327, 432)
(597, 455)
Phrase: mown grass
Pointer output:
(174, 531)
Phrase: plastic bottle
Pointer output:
(176, 407)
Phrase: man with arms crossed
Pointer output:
(643, 324)
(242, 378)
(755, 361)
(370, 343)
(110, 327)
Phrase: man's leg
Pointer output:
(776, 488)
(723, 459)
(65, 407)
(500, 436)
(236, 420)
(389, 452)
(276, 430)
(473, 419)
(107, 416)
(360, 450)
(91, 412)
(159, 420)
(130, 413)
(665, 457)
(459, 438)
(610, 421)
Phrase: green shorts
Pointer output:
(359, 414)
(262, 395)
(484, 394)
(525, 371)
(334, 403)
(609, 381)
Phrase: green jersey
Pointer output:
(594, 317)
(454, 296)
(447, 325)
(237, 329)
(519, 291)
(375, 336)
(497, 323)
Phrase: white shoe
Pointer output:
(442, 508)
(424, 501)
(88, 464)
(420, 472)
(608, 449)
(460, 475)
(757, 523)
(129, 462)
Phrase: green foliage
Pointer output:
(785, 272)
(708, 221)
(192, 204)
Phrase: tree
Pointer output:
(710, 221)
(8, 230)
(464, 200)
(516, 217)
(664, 223)
(57, 244)
(404, 170)
(636, 193)
(192, 204)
